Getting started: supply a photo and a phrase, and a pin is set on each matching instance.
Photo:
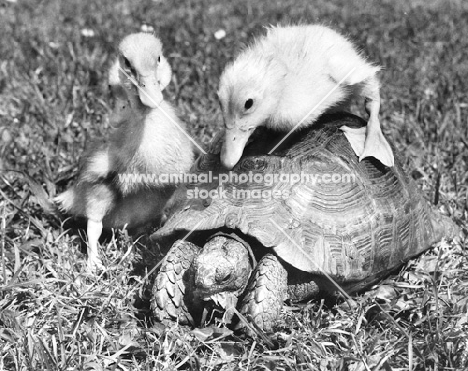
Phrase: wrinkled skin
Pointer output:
(222, 270)
(190, 275)
(223, 274)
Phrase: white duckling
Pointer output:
(288, 78)
(118, 181)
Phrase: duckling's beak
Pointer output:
(235, 140)
(150, 91)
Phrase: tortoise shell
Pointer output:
(352, 220)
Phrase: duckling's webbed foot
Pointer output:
(375, 144)
(356, 138)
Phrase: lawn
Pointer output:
(54, 96)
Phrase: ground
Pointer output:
(53, 96)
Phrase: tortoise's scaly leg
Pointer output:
(265, 294)
(172, 297)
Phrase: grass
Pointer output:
(53, 96)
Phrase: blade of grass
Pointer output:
(3, 243)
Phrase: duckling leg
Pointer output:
(99, 201)
(94, 230)
(375, 145)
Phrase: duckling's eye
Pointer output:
(248, 103)
(127, 63)
(159, 59)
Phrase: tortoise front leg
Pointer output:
(173, 297)
(265, 294)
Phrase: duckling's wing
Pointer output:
(350, 70)
(96, 165)
(345, 63)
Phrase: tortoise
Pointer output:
(309, 237)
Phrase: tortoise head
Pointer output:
(222, 270)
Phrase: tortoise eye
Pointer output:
(223, 277)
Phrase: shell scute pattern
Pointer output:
(353, 230)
